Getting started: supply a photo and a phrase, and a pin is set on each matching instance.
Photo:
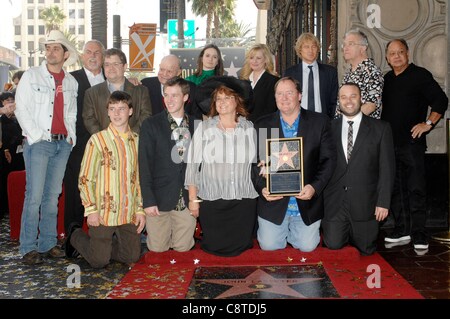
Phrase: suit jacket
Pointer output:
(263, 96)
(80, 129)
(161, 178)
(154, 90)
(319, 161)
(367, 180)
(329, 85)
(95, 113)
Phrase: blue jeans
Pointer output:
(45, 164)
(292, 230)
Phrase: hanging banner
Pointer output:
(142, 46)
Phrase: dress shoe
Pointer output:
(55, 252)
(32, 258)
(71, 252)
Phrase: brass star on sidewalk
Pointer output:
(259, 280)
(285, 156)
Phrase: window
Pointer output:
(17, 30)
(30, 1)
(31, 30)
(30, 45)
(71, 13)
(81, 13)
(71, 1)
(81, 29)
(40, 13)
(30, 13)
(71, 29)
(18, 45)
(57, 1)
(41, 29)
(41, 1)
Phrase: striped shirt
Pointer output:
(109, 177)
(219, 163)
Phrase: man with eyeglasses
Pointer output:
(294, 219)
(169, 68)
(364, 72)
(409, 92)
(95, 115)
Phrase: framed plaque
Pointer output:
(284, 161)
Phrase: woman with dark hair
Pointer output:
(209, 63)
(221, 192)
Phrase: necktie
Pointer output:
(349, 140)
(311, 104)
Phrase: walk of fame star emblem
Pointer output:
(284, 157)
(257, 282)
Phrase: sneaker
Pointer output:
(420, 252)
(398, 243)
(396, 237)
(420, 241)
(32, 258)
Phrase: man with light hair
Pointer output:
(89, 75)
(363, 71)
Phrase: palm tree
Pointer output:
(181, 14)
(53, 17)
(99, 20)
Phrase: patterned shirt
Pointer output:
(369, 78)
(291, 131)
(109, 179)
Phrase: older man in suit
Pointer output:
(295, 219)
(95, 114)
(169, 67)
(89, 75)
(358, 195)
(319, 81)
(163, 145)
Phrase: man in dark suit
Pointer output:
(169, 67)
(89, 75)
(164, 140)
(358, 195)
(294, 219)
(323, 76)
(95, 114)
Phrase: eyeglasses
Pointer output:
(114, 64)
(121, 109)
(350, 44)
(225, 98)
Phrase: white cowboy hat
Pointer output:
(56, 36)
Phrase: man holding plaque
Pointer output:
(290, 211)
(358, 195)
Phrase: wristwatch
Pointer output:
(429, 122)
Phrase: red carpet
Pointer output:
(168, 275)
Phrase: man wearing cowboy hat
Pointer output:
(46, 108)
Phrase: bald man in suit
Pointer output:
(358, 196)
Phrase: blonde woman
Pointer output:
(259, 70)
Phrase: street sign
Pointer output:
(189, 33)
(142, 46)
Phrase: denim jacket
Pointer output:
(34, 104)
